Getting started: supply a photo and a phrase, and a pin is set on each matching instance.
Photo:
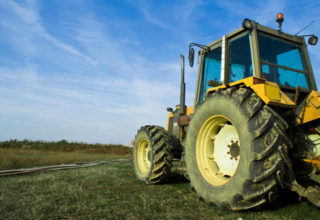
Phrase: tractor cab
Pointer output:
(256, 51)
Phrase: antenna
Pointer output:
(305, 27)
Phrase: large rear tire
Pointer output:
(152, 157)
(235, 147)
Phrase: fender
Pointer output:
(269, 92)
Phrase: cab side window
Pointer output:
(240, 59)
(211, 70)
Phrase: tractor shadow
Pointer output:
(285, 199)
(176, 177)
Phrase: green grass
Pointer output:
(113, 192)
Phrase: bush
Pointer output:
(65, 146)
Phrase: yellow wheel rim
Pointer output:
(144, 155)
(218, 150)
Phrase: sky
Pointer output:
(96, 71)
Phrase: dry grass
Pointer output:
(21, 154)
(22, 158)
(65, 146)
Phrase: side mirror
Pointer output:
(191, 56)
(169, 109)
(313, 40)
(213, 83)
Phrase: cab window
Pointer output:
(240, 59)
(281, 62)
(211, 70)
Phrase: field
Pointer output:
(20, 154)
(111, 191)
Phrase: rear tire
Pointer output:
(152, 157)
(235, 146)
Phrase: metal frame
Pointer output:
(227, 59)
(255, 52)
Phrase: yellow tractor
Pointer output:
(254, 128)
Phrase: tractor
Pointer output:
(254, 129)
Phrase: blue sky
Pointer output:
(95, 71)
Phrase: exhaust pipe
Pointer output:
(182, 88)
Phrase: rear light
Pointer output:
(258, 81)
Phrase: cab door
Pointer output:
(211, 70)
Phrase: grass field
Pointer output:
(20, 154)
(109, 191)
(113, 192)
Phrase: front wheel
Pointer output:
(152, 157)
(234, 149)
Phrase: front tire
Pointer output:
(152, 157)
(234, 150)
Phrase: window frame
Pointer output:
(228, 58)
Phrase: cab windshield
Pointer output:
(281, 62)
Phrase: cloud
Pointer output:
(67, 104)
(24, 19)
(145, 8)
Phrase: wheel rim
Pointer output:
(144, 155)
(218, 150)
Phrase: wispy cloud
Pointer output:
(107, 104)
(145, 8)
(25, 21)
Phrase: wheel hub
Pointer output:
(226, 150)
(234, 150)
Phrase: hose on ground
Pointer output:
(58, 167)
